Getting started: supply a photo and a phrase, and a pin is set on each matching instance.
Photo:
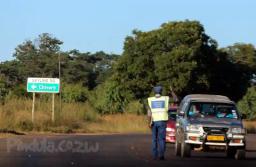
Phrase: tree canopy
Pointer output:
(180, 54)
(40, 58)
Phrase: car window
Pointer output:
(218, 110)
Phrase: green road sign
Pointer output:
(43, 85)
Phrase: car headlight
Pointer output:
(194, 128)
(238, 130)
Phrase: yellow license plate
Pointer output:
(215, 138)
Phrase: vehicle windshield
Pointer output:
(217, 110)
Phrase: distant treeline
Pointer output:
(179, 54)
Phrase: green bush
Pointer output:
(110, 98)
(3, 89)
(135, 107)
(247, 105)
(19, 91)
(74, 93)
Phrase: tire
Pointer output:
(185, 150)
(240, 154)
(177, 148)
(231, 152)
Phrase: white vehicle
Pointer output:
(209, 123)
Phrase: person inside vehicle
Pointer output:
(225, 112)
(194, 110)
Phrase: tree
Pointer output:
(242, 54)
(180, 54)
(87, 68)
(247, 105)
(25, 51)
(10, 71)
(40, 58)
(238, 64)
(49, 44)
(177, 53)
(3, 88)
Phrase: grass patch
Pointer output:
(120, 123)
(15, 115)
(250, 126)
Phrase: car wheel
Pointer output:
(185, 150)
(240, 154)
(177, 148)
(231, 152)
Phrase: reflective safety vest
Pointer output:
(159, 107)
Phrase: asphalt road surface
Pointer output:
(105, 150)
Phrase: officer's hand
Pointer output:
(150, 125)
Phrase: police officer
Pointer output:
(158, 116)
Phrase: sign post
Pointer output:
(43, 85)
(53, 119)
(33, 106)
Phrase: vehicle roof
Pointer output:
(208, 98)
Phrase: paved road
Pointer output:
(104, 150)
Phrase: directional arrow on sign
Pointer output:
(33, 86)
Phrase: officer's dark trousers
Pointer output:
(158, 138)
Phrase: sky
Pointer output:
(95, 25)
